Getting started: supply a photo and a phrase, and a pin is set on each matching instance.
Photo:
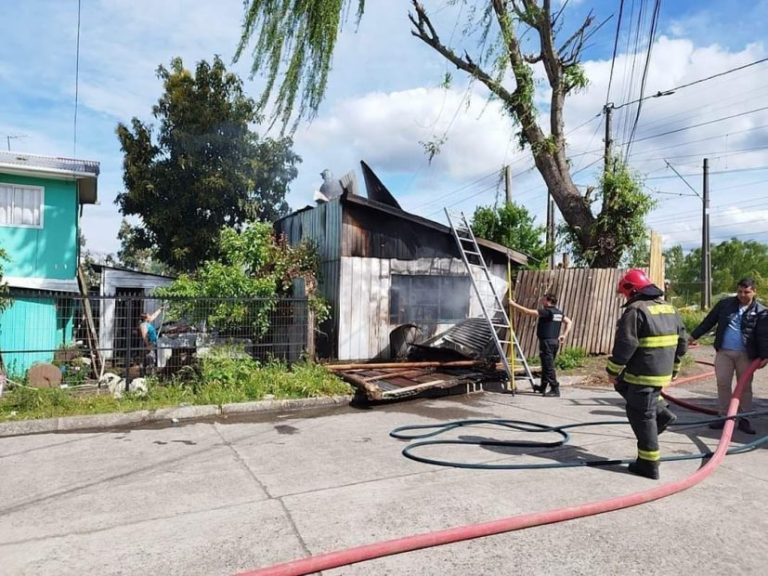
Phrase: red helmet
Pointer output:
(633, 281)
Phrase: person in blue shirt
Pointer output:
(736, 318)
(148, 334)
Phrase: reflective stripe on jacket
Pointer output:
(650, 343)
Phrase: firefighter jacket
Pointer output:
(650, 342)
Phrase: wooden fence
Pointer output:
(587, 296)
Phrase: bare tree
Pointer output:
(599, 239)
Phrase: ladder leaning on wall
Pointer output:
(496, 316)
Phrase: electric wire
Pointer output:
(615, 46)
(77, 82)
(695, 82)
(644, 78)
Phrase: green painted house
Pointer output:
(40, 205)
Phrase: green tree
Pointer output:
(298, 40)
(254, 269)
(732, 260)
(620, 224)
(513, 226)
(203, 170)
(132, 256)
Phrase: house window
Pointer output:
(21, 206)
(428, 299)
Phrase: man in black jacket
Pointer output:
(737, 343)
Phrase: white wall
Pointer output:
(111, 280)
(364, 299)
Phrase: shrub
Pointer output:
(570, 358)
(691, 319)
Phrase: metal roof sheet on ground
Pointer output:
(470, 338)
(405, 382)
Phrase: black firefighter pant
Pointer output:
(645, 409)
(547, 351)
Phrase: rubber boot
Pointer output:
(645, 468)
(664, 419)
(554, 391)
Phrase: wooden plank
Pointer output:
(598, 314)
(579, 285)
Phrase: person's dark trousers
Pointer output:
(643, 407)
(547, 351)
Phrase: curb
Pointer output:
(172, 413)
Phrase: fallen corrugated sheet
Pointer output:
(463, 355)
(404, 381)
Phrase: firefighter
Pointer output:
(649, 345)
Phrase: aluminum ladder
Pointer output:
(496, 317)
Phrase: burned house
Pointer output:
(383, 269)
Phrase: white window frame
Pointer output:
(41, 189)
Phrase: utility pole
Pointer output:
(706, 264)
(608, 111)
(508, 182)
(706, 283)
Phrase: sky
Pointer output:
(385, 98)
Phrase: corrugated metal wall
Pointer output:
(363, 316)
(38, 324)
(321, 225)
(359, 249)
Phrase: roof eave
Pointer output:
(87, 183)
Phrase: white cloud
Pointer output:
(382, 101)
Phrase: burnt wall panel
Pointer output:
(371, 233)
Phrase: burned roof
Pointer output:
(354, 200)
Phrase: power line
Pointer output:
(720, 102)
(77, 81)
(615, 46)
(715, 172)
(689, 84)
(651, 40)
(668, 132)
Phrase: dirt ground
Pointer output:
(698, 360)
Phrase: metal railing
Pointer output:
(85, 337)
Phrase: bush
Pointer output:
(567, 359)
(224, 377)
(570, 358)
(691, 319)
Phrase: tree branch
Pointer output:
(575, 43)
(425, 31)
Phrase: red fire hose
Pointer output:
(688, 405)
(418, 541)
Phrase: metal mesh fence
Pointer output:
(76, 339)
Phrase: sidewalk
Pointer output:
(231, 494)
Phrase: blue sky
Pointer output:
(384, 98)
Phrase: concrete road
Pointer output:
(217, 497)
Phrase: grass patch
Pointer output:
(221, 379)
(691, 319)
(566, 359)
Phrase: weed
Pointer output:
(570, 358)
(223, 378)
